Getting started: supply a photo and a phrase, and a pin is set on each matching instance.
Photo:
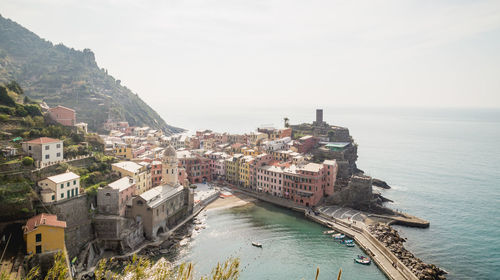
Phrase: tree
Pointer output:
(5, 98)
(15, 87)
(28, 161)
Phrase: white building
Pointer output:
(44, 150)
(278, 144)
(59, 187)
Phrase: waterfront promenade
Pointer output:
(351, 223)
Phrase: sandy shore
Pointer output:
(230, 201)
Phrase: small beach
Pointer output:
(229, 201)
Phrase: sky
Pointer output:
(220, 55)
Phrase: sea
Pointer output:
(443, 165)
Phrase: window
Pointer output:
(38, 237)
(76, 191)
(47, 147)
(53, 197)
(67, 194)
(62, 186)
(38, 249)
(58, 146)
(67, 184)
(62, 195)
(58, 154)
(74, 182)
(29, 148)
(47, 156)
(72, 192)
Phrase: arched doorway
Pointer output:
(160, 231)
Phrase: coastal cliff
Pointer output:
(59, 75)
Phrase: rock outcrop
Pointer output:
(391, 239)
(381, 184)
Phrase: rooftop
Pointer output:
(128, 165)
(63, 177)
(122, 184)
(43, 140)
(43, 219)
(159, 194)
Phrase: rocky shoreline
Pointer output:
(394, 242)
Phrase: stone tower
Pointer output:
(170, 173)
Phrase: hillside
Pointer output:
(59, 75)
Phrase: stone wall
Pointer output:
(75, 211)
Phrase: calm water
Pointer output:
(293, 246)
(443, 164)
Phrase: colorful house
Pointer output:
(44, 150)
(44, 233)
(63, 115)
(59, 187)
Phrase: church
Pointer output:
(163, 207)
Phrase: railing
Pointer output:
(41, 165)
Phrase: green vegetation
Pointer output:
(27, 161)
(15, 197)
(59, 75)
(142, 268)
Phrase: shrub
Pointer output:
(20, 111)
(7, 110)
(28, 161)
(4, 117)
(33, 110)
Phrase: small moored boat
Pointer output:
(363, 260)
(328, 231)
(257, 244)
(349, 244)
(338, 236)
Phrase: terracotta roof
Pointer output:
(43, 219)
(43, 140)
(62, 107)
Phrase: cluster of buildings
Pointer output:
(128, 210)
(269, 160)
(301, 164)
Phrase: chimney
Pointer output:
(319, 116)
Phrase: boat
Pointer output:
(363, 260)
(349, 244)
(257, 244)
(338, 236)
(349, 241)
(328, 231)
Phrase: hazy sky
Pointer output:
(179, 55)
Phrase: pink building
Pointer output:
(63, 115)
(259, 161)
(112, 199)
(197, 167)
(270, 179)
(156, 172)
(305, 143)
(307, 184)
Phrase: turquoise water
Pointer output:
(443, 164)
(293, 247)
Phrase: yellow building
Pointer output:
(140, 173)
(233, 168)
(44, 233)
(122, 151)
(250, 152)
(244, 170)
